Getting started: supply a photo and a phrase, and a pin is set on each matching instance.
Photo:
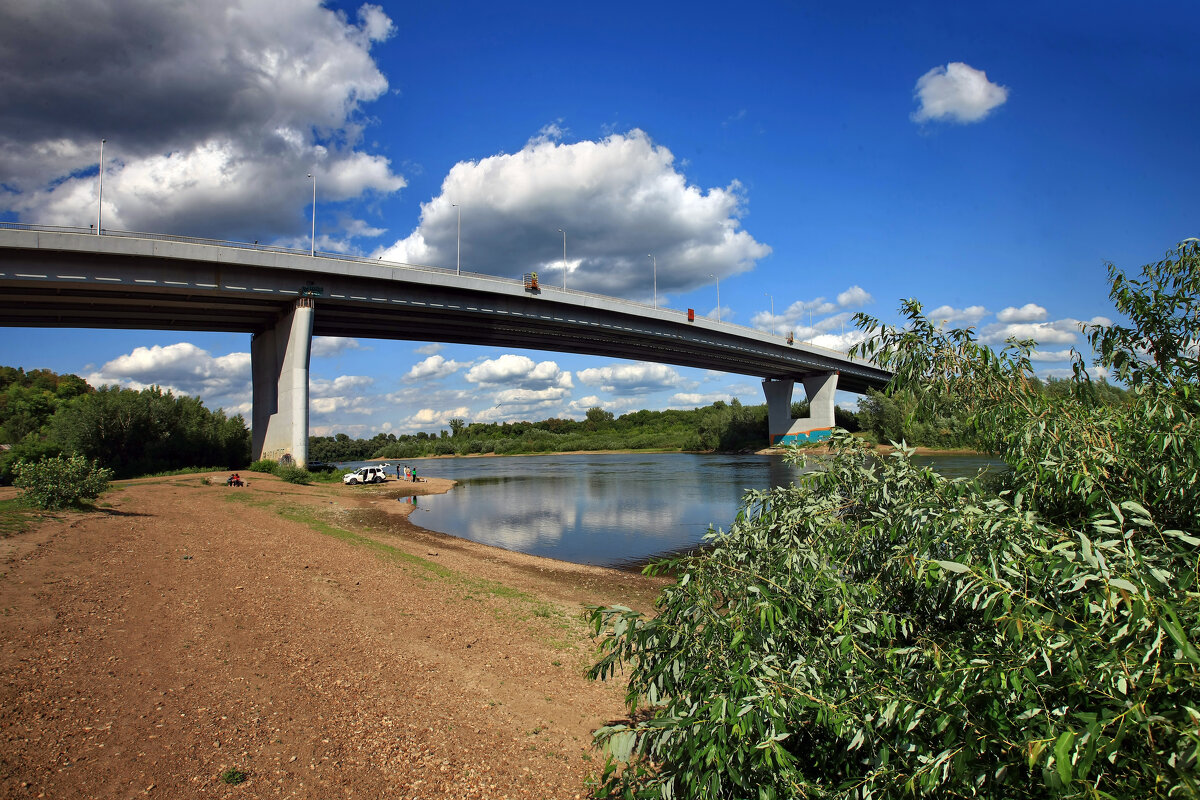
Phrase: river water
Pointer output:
(609, 509)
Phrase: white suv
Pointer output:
(365, 475)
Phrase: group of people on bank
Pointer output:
(406, 474)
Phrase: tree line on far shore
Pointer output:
(723, 427)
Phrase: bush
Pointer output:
(264, 465)
(293, 474)
(61, 481)
(878, 631)
(329, 476)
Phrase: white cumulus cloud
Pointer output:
(341, 405)
(631, 379)
(618, 199)
(1063, 331)
(521, 372)
(949, 314)
(182, 368)
(426, 418)
(689, 400)
(1030, 312)
(214, 112)
(433, 367)
(1050, 355)
(956, 92)
(329, 346)
(841, 341)
(345, 394)
(854, 297)
(343, 384)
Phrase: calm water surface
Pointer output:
(610, 509)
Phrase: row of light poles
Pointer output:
(312, 248)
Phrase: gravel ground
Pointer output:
(309, 637)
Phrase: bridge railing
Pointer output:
(378, 261)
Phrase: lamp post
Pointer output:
(458, 263)
(312, 251)
(772, 299)
(100, 201)
(718, 280)
(564, 233)
(654, 264)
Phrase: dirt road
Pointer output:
(309, 637)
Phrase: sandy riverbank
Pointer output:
(310, 636)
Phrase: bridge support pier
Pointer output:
(820, 389)
(279, 364)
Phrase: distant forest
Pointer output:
(723, 427)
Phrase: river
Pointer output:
(609, 509)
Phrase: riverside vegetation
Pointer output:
(878, 631)
(130, 433)
(722, 427)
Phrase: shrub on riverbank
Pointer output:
(880, 631)
(266, 465)
(60, 481)
(292, 474)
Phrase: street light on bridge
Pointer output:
(100, 201)
(564, 233)
(654, 264)
(312, 251)
(458, 263)
(718, 280)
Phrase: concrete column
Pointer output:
(279, 364)
(779, 407)
(820, 388)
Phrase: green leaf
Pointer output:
(1062, 756)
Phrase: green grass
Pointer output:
(17, 516)
(385, 551)
(233, 776)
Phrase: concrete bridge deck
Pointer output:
(75, 279)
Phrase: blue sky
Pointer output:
(987, 159)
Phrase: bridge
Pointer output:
(74, 278)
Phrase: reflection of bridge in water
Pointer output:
(72, 278)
